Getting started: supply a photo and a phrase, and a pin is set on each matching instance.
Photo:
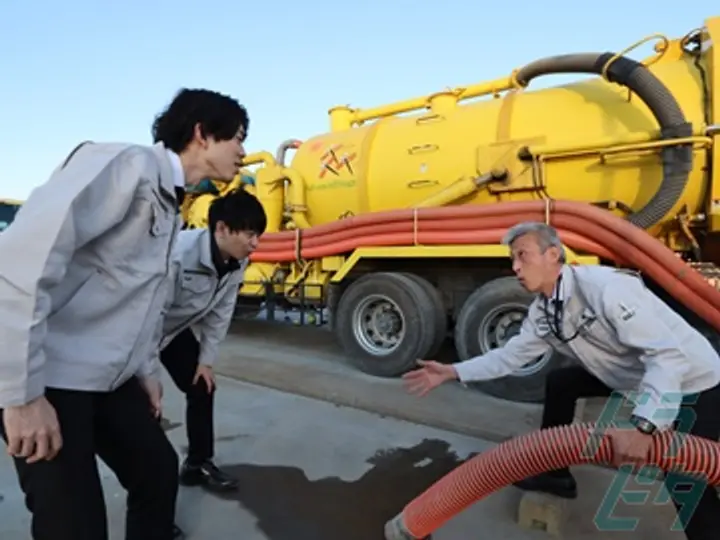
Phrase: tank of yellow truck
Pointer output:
(636, 138)
(401, 162)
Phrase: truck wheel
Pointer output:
(438, 307)
(384, 323)
(488, 319)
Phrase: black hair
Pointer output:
(239, 210)
(219, 116)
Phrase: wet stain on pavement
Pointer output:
(289, 506)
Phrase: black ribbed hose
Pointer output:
(677, 160)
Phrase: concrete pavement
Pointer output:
(311, 470)
(308, 361)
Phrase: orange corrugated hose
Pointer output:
(582, 226)
(537, 452)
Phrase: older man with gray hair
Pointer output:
(624, 339)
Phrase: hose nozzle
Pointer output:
(395, 530)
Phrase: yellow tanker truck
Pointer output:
(391, 221)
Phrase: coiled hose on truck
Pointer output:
(537, 452)
(581, 226)
(677, 160)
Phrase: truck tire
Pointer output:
(438, 307)
(384, 323)
(490, 316)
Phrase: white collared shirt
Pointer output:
(177, 168)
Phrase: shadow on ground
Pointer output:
(289, 506)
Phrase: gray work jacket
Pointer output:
(622, 333)
(199, 298)
(83, 272)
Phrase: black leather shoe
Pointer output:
(178, 534)
(208, 475)
(560, 486)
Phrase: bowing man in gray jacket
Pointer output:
(83, 280)
(624, 339)
(208, 268)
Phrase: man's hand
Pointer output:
(153, 388)
(205, 373)
(430, 375)
(33, 431)
(630, 446)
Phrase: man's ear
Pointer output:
(220, 227)
(555, 253)
(199, 136)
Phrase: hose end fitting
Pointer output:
(395, 530)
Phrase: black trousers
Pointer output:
(65, 494)
(180, 358)
(701, 521)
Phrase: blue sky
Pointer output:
(73, 70)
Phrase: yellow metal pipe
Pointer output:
(632, 141)
(456, 190)
(269, 184)
(459, 189)
(620, 149)
(653, 145)
(343, 117)
(296, 194)
(266, 158)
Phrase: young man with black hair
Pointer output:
(81, 296)
(208, 269)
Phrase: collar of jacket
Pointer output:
(177, 168)
(178, 176)
(168, 176)
(212, 258)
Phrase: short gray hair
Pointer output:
(546, 236)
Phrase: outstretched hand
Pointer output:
(431, 374)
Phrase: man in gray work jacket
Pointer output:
(625, 339)
(83, 280)
(208, 269)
